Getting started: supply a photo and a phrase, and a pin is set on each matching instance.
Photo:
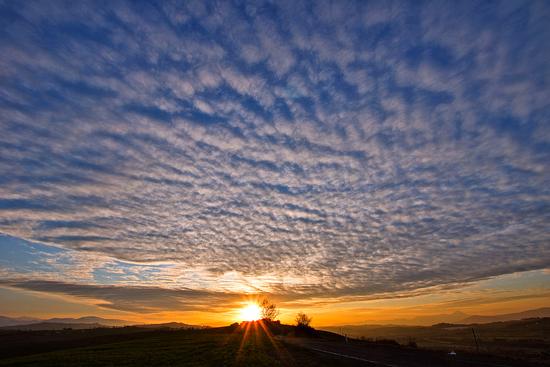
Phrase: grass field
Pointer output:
(249, 345)
(528, 338)
(220, 347)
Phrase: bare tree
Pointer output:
(269, 310)
(303, 320)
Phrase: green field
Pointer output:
(245, 345)
(528, 338)
(168, 348)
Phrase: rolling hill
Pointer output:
(11, 321)
(539, 312)
(91, 322)
(27, 322)
(245, 344)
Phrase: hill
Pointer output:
(53, 326)
(10, 321)
(539, 312)
(247, 344)
(65, 324)
(426, 320)
(91, 320)
(171, 325)
(25, 321)
(517, 337)
(459, 318)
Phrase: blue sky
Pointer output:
(305, 149)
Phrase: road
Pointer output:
(393, 356)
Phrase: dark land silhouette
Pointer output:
(255, 343)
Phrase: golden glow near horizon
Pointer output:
(251, 312)
(499, 295)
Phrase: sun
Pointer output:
(251, 312)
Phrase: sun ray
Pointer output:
(282, 353)
(243, 340)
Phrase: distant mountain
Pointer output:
(53, 326)
(453, 318)
(503, 334)
(10, 321)
(14, 321)
(171, 325)
(87, 322)
(539, 312)
(91, 320)
(428, 320)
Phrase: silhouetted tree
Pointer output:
(303, 328)
(303, 320)
(269, 310)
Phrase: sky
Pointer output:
(362, 161)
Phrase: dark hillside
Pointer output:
(245, 344)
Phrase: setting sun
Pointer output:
(251, 312)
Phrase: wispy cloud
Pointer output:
(134, 299)
(350, 147)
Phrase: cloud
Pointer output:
(133, 299)
(351, 148)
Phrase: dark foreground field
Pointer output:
(253, 344)
(528, 339)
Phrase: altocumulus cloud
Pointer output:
(353, 148)
(134, 299)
